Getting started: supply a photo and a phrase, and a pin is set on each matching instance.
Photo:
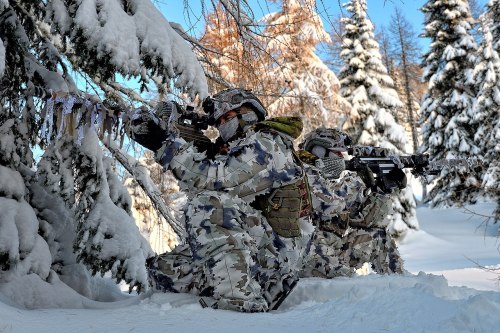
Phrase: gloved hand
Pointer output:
(147, 131)
(396, 178)
(366, 174)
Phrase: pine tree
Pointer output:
(71, 218)
(366, 84)
(446, 112)
(476, 9)
(22, 249)
(302, 82)
(486, 106)
(103, 202)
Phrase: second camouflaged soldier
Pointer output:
(350, 219)
(248, 210)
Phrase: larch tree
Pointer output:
(301, 82)
(334, 60)
(447, 115)
(385, 46)
(71, 218)
(406, 52)
(389, 60)
(231, 59)
(366, 84)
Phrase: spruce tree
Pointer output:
(366, 84)
(487, 105)
(446, 112)
(71, 218)
(493, 10)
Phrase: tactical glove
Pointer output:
(146, 130)
(398, 176)
(366, 174)
(395, 179)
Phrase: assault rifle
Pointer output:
(170, 117)
(381, 162)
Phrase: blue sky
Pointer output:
(379, 11)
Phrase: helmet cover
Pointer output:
(329, 138)
(230, 100)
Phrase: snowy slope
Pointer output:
(416, 302)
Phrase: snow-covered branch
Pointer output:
(141, 175)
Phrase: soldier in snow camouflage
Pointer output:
(240, 250)
(350, 221)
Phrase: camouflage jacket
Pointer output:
(255, 164)
(338, 204)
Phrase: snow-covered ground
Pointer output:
(443, 291)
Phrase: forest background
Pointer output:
(73, 75)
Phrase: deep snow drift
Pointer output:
(457, 297)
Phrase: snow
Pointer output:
(126, 35)
(2, 58)
(444, 290)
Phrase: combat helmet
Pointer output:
(229, 100)
(327, 145)
(329, 138)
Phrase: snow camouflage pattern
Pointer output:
(232, 253)
(350, 228)
(223, 256)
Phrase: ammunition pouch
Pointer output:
(284, 207)
(373, 214)
(337, 224)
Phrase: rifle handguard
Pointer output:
(193, 134)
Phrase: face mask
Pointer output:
(229, 129)
(331, 166)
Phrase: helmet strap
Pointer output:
(241, 125)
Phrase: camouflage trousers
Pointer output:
(232, 255)
(332, 256)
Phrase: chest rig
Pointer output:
(284, 206)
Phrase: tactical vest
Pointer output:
(284, 206)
